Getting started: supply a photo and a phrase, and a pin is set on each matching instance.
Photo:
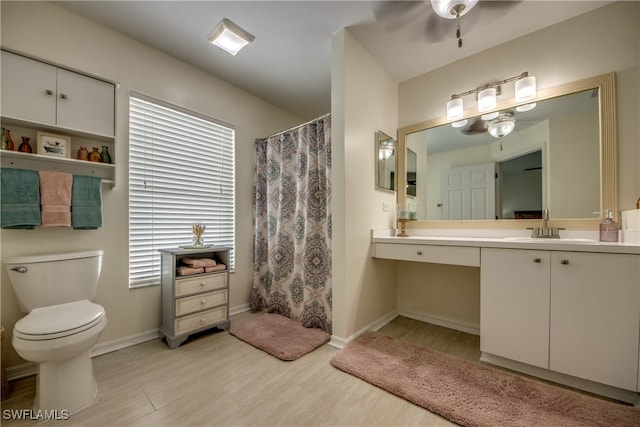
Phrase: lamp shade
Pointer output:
(487, 99)
(455, 109)
(525, 89)
(450, 9)
(460, 123)
(229, 37)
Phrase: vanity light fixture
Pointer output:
(525, 90)
(230, 37)
(386, 149)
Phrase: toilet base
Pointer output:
(66, 385)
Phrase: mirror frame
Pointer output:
(606, 85)
(380, 137)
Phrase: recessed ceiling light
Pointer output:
(228, 36)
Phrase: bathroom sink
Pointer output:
(543, 240)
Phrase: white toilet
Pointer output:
(62, 324)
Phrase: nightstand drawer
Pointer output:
(199, 320)
(200, 284)
(200, 302)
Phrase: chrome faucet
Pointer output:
(545, 232)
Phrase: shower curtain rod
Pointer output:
(298, 126)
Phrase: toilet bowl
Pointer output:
(59, 338)
(61, 327)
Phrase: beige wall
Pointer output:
(598, 42)
(364, 100)
(48, 32)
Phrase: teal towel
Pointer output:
(20, 199)
(86, 203)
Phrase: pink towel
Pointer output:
(199, 262)
(55, 198)
(188, 271)
(218, 267)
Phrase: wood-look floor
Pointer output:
(217, 380)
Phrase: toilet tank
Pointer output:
(43, 280)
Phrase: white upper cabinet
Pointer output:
(43, 94)
(28, 89)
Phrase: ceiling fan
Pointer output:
(443, 17)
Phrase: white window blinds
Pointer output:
(181, 172)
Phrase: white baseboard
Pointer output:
(28, 369)
(239, 309)
(341, 343)
(434, 320)
(568, 380)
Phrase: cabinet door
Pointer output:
(514, 304)
(595, 317)
(85, 103)
(28, 89)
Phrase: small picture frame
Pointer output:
(50, 144)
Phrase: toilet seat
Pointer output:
(58, 321)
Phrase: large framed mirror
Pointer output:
(385, 152)
(561, 156)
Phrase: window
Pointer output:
(181, 172)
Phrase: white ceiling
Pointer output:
(289, 64)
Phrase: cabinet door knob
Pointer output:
(419, 252)
(564, 262)
(537, 260)
(204, 301)
(204, 319)
(48, 92)
(63, 96)
(202, 284)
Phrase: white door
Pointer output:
(469, 192)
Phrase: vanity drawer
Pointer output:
(200, 284)
(456, 255)
(200, 302)
(199, 320)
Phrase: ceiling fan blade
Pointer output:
(395, 14)
(474, 128)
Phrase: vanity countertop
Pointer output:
(572, 240)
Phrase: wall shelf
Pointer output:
(18, 160)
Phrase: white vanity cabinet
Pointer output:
(595, 317)
(514, 304)
(577, 313)
(43, 94)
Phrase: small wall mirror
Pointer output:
(385, 161)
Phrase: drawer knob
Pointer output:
(537, 260)
(419, 252)
(204, 301)
(204, 319)
(202, 284)
(564, 262)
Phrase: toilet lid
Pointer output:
(59, 320)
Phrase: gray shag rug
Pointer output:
(471, 394)
(279, 336)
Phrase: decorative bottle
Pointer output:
(608, 228)
(10, 145)
(106, 157)
(25, 147)
(95, 155)
(5, 141)
(83, 154)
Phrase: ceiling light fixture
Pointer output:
(525, 90)
(503, 125)
(229, 37)
(452, 9)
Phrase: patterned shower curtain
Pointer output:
(292, 246)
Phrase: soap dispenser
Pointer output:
(608, 228)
